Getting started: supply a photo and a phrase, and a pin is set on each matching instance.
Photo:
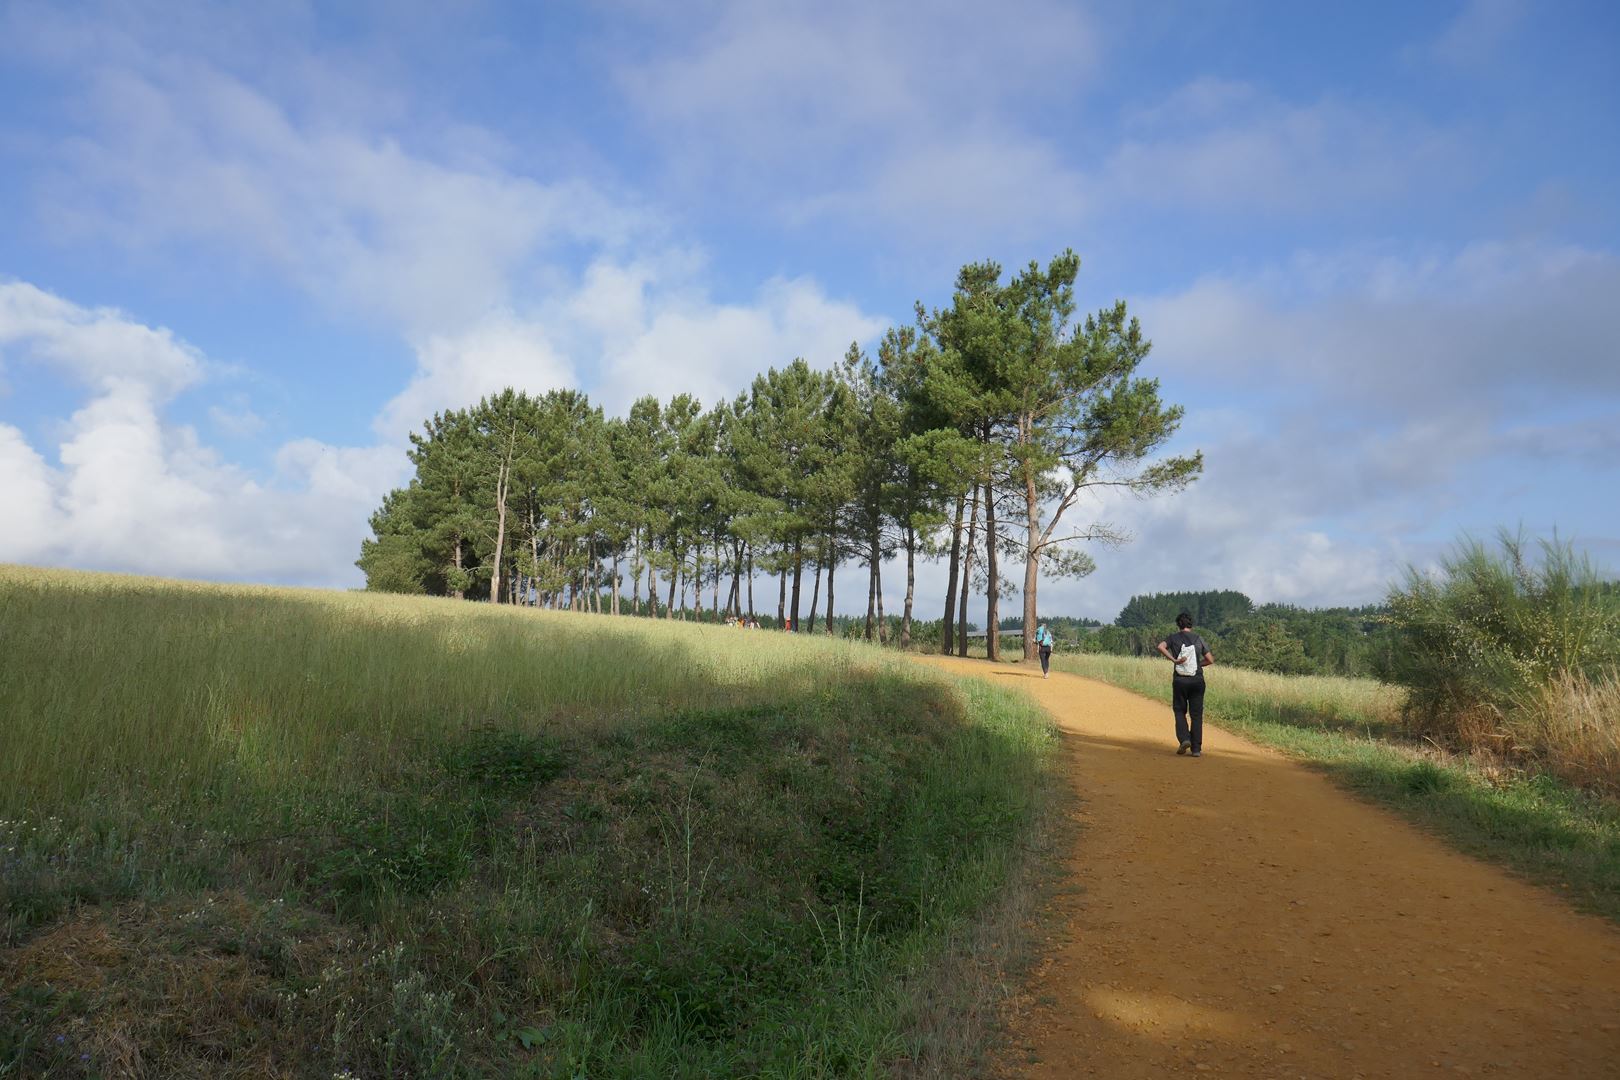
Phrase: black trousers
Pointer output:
(1046, 658)
(1187, 698)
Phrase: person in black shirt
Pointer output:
(1191, 656)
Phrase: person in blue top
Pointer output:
(1043, 638)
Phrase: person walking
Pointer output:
(1043, 639)
(1191, 656)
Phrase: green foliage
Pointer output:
(1266, 645)
(1271, 637)
(1050, 407)
(415, 838)
(1064, 627)
(1495, 627)
(1008, 394)
(497, 759)
(1214, 611)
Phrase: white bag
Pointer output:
(1187, 662)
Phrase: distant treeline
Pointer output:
(1268, 637)
(1062, 626)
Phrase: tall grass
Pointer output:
(1364, 705)
(1514, 650)
(184, 685)
(250, 831)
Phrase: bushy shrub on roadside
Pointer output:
(1481, 646)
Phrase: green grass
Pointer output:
(1542, 827)
(250, 831)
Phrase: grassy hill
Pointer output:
(252, 831)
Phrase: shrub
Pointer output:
(1266, 645)
(1497, 648)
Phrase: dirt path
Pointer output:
(1238, 915)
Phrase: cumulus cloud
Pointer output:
(131, 491)
(27, 490)
(98, 347)
(183, 154)
(312, 169)
(629, 329)
(462, 257)
(663, 340)
(455, 370)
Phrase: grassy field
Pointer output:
(250, 831)
(1533, 823)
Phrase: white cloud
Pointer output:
(1217, 144)
(134, 492)
(664, 344)
(1488, 325)
(456, 370)
(875, 113)
(625, 330)
(98, 347)
(787, 84)
(185, 154)
(1352, 407)
(32, 521)
(229, 136)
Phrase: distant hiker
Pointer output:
(1191, 656)
(1043, 638)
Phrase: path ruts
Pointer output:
(1238, 915)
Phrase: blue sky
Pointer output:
(248, 247)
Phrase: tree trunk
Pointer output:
(459, 594)
(871, 585)
(781, 596)
(911, 586)
(972, 541)
(593, 580)
(815, 599)
(1032, 567)
(877, 584)
(832, 565)
(734, 601)
(948, 624)
(871, 598)
(798, 580)
(750, 582)
(500, 530)
(992, 631)
(635, 572)
(669, 608)
(715, 607)
(697, 583)
(534, 556)
(616, 580)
